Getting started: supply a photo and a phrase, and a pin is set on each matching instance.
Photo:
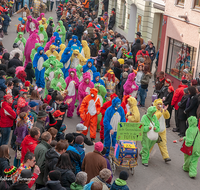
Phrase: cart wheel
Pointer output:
(132, 171)
(113, 168)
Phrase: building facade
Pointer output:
(180, 39)
(138, 16)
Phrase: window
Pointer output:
(197, 4)
(180, 2)
(180, 56)
(123, 15)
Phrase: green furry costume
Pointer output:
(58, 81)
(20, 41)
(79, 73)
(146, 142)
(43, 35)
(61, 30)
(50, 18)
(34, 51)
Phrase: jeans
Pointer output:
(142, 96)
(5, 28)
(5, 134)
(52, 2)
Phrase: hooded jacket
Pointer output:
(71, 42)
(58, 81)
(108, 122)
(91, 69)
(42, 35)
(86, 49)
(97, 74)
(75, 186)
(130, 87)
(61, 30)
(134, 114)
(21, 42)
(55, 53)
(119, 184)
(29, 72)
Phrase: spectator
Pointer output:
(16, 50)
(61, 133)
(123, 46)
(120, 183)
(30, 72)
(123, 81)
(151, 50)
(134, 49)
(96, 186)
(4, 159)
(6, 120)
(81, 179)
(112, 20)
(53, 132)
(2, 84)
(35, 96)
(79, 145)
(33, 105)
(79, 30)
(65, 167)
(30, 142)
(6, 22)
(50, 30)
(40, 151)
(5, 60)
(94, 162)
(160, 81)
(141, 52)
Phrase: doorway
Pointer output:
(132, 23)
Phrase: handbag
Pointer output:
(188, 150)
(152, 135)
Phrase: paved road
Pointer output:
(158, 175)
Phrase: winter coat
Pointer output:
(98, 179)
(14, 51)
(80, 149)
(40, 125)
(198, 109)
(178, 94)
(21, 133)
(34, 115)
(151, 51)
(6, 20)
(79, 31)
(40, 151)
(168, 100)
(4, 185)
(191, 110)
(28, 144)
(119, 184)
(162, 92)
(145, 81)
(67, 177)
(90, 31)
(111, 22)
(4, 163)
(123, 81)
(86, 140)
(105, 52)
(7, 115)
(29, 72)
(14, 62)
(51, 159)
(182, 105)
(93, 163)
(2, 84)
(19, 186)
(159, 83)
(75, 186)
(93, 50)
(49, 31)
(52, 185)
(135, 48)
(15, 90)
(117, 72)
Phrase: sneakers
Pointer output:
(167, 160)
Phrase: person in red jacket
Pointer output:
(103, 110)
(125, 105)
(7, 117)
(30, 142)
(176, 99)
(141, 52)
(21, 102)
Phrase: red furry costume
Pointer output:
(125, 105)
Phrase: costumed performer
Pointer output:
(52, 51)
(76, 59)
(32, 25)
(125, 104)
(97, 79)
(48, 44)
(89, 67)
(79, 72)
(61, 30)
(42, 35)
(42, 15)
(74, 42)
(85, 50)
(34, 51)
(58, 82)
(62, 49)
(44, 23)
(20, 41)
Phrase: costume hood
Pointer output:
(41, 28)
(76, 52)
(94, 91)
(45, 20)
(125, 99)
(29, 17)
(74, 37)
(115, 101)
(62, 47)
(37, 45)
(84, 43)
(150, 111)
(57, 72)
(113, 95)
(192, 121)
(157, 101)
(132, 101)
(90, 60)
(96, 74)
(86, 76)
(131, 76)
(40, 17)
(29, 65)
(72, 70)
(20, 33)
(52, 47)
(56, 34)
(61, 22)
(67, 50)
(39, 49)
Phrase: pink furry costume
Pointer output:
(30, 44)
(84, 89)
(72, 86)
(130, 87)
(32, 25)
(40, 17)
(48, 44)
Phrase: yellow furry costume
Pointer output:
(82, 60)
(45, 23)
(55, 53)
(133, 115)
(62, 48)
(161, 116)
(86, 49)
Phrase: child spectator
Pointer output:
(61, 133)
(79, 145)
(120, 183)
(9, 87)
(81, 179)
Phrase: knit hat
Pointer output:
(41, 114)
(7, 97)
(54, 175)
(25, 108)
(49, 109)
(184, 81)
(62, 128)
(171, 88)
(58, 113)
(23, 91)
(52, 121)
(16, 80)
(125, 74)
(10, 171)
(123, 175)
(79, 139)
(15, 45)
(98, 146)
(33, 104)
(123, 40)
(81, 127)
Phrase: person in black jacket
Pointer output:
(134, 49)
(15, 62)
(65, 167)
(167, 102)
(112, 20)
(16, 88)
(69, 34)
(5, 60)
(29, 72)
(4, 159)
(79, 30)
(182, 117)
(52, 156)
(164, 90)
(49, 30)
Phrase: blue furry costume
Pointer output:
(57, 42)
(113, 115)
(91, 69)
(38, 61)
(97, 74)
(71, 42)
(65, 59)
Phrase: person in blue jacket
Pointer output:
(65, 59)
(113, 115)
(97, 79)
(89, 67)
(79, 145)
(6, 22)
(57, 42)
(38, 61)
(74, 41)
